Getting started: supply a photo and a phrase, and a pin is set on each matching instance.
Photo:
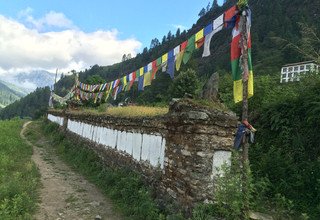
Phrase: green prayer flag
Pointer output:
(189, 50)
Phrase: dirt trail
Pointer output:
(66, 194)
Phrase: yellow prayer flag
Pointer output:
(179, 60)
(124, 81)
(141, 71)
(199, 35)
(165, 58)
(147, 79)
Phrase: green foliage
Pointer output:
(95, 79)
(19, 177)
(185, 82)
(287, 147)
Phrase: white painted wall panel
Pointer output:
(220, 158)
(155, 150)
(136, 146)
(128, 143)
(121, 141)
(146, 142)
(56, 119)
(111, 138)
(144, 147)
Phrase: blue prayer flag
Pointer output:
(208, 29)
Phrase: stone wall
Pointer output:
(178, 153)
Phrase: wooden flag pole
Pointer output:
(243, 25)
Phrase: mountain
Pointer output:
(32, 80)
(33, 105)
(10, 93)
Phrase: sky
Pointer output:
(69, 34)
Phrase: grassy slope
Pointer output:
(19, 177)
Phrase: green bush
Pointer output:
(185, 82)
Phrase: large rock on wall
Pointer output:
(195, 140)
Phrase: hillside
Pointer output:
(9, 94)
(277, 18)
(33, 105)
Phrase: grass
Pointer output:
(19, 177)
(124, 187)
(127, 111)
(137, 111)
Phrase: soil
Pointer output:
(64, 193)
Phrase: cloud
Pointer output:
(26, 48)
(50, 20)
(182, 27)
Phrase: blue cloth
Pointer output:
(170, 54)
(171, 67)
(239, 136)
(140, 84)
(145, 69)
(208, 29)
(232, 22)
(119, 89)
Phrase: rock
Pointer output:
(98, 217)
(211, 88)
(94, 204)
(197, 115)
(259, 216)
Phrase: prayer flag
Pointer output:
(147, 79)
(171, 67)
(149, 67)
(218, 23)
(165, 58)
(170, 54)
(140, 84)
(235, 65)
(230, 17)
(154, 70)
(179, 58)
(199, 35)
(208, 29)
(159, 61)
(141, 71)
(176, 50)
(189, 50)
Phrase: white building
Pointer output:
(292, 72)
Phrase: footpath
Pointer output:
(65, 194)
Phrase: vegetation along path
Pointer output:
(65, 194)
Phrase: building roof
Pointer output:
(300, 63)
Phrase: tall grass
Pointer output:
(127, 111)
(137, 111)
(19, 177)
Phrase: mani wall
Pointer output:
(178, 154)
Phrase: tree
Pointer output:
(124, 57)
(202, 12)
(186, 82)
(164, 39)
(178, 33)
(169, 36)
(215, 4)
(208, 8)
(154, 43)
(95, 79)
